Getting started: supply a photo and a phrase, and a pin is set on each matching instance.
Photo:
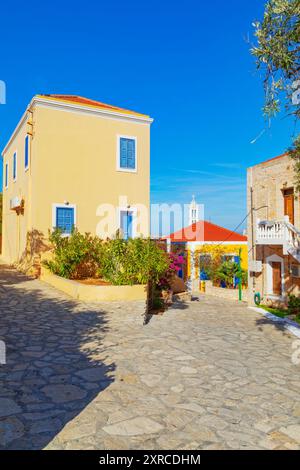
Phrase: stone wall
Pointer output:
(268, 180)
(229, 294)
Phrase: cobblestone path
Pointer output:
(208, 374)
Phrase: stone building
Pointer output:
(273, 231)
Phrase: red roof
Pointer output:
(89, 102)
(204, 231)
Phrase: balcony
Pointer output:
(279, 233)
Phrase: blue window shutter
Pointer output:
(129, 224)
(131, 153)
(124, 227)
(237, 259)
(123, 153)
(14, 166)
(127, 153)
(65, 219)
(26, 162)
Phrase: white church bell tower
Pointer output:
(194, 212)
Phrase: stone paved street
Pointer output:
(206, 375)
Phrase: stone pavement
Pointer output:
(206, 375)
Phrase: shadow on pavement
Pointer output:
(55, 361)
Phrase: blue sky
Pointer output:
(187, 64)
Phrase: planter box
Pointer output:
(90, 293)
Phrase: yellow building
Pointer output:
(72, 161)
(202, 239)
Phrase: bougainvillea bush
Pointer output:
(176, 264)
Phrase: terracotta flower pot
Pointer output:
(167, 295)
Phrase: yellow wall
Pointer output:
(90, 293)
(74, 159)
(232, 249)
(14, 226)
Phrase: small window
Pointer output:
(26, 152)
(6, 175)
(15, 166)
(65, 219)
(230, 258)
(295, 270)
(205, 259)
(127, 154)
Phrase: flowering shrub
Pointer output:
(176, 264)
(74, 257)
(133, 261)
(118, 261)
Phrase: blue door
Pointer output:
(127, 224)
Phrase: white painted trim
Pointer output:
(126, 170)
(43, 101)
(15, 132)
(26, 168)
(13, 159)
(7, 181)
(64, 106)
(56, 205)
(269, 270)
(134, 224)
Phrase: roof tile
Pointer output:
(207, 232)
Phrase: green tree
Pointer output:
(228, 271)
(277, 55)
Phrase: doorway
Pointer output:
(289, 204)
(275, 272)
(277, 277)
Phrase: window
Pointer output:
(6, 175)
(127, 153)
(205, 259)
(295, 270)
(232, 258)
(26, 152)
(15, 166)
(64, 218)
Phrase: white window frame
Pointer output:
(29, 143)
(6, 181)
(15, 154)
(229, 255)
(126, 170)
(134, 222)
(63, 206)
